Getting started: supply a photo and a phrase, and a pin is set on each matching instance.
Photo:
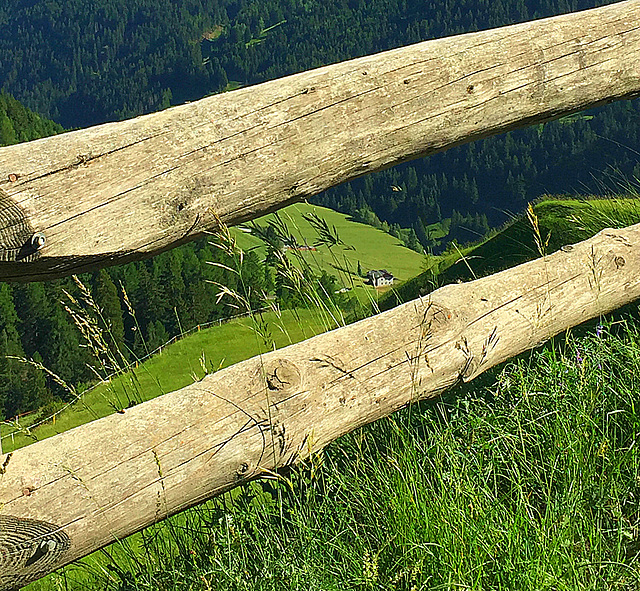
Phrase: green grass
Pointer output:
(561, 221)
(527, 479)
(373, 248)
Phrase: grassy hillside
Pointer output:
(181, 364)
(373, 248)
(560, 221)
(527, 478)
(229, 343)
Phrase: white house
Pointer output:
(380, 278)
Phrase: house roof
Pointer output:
(375, 274)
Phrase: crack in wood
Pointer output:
(85, 159)
(5, 464)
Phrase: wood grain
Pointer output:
(126, 190)
(274, 410)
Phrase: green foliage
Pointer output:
(109, 306)
(19, 124)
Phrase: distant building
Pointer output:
(380, 278)
(299, 247)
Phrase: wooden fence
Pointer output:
(126, 190)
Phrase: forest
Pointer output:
(77, 64)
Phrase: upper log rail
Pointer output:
(123, 191)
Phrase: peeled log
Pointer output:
(83, 489)
(122, 191)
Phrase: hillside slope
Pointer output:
(19, 124)
(560, 222)
(364, 244)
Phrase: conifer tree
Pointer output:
(107, 299)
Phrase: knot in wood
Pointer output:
(282, 375)
(242, 470)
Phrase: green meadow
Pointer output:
(372, 248)
(182, 363)
(560, 222)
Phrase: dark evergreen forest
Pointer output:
(80, 63)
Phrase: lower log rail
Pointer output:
(64, 497)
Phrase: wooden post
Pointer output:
(66, 496)
(121, 191)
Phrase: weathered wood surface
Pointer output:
(125, 190)
(270, 411)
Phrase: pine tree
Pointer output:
(105, 294)
(7, 132)
(34, 310)
(10, 381)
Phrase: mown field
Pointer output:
(373, 248)
(182, 363)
